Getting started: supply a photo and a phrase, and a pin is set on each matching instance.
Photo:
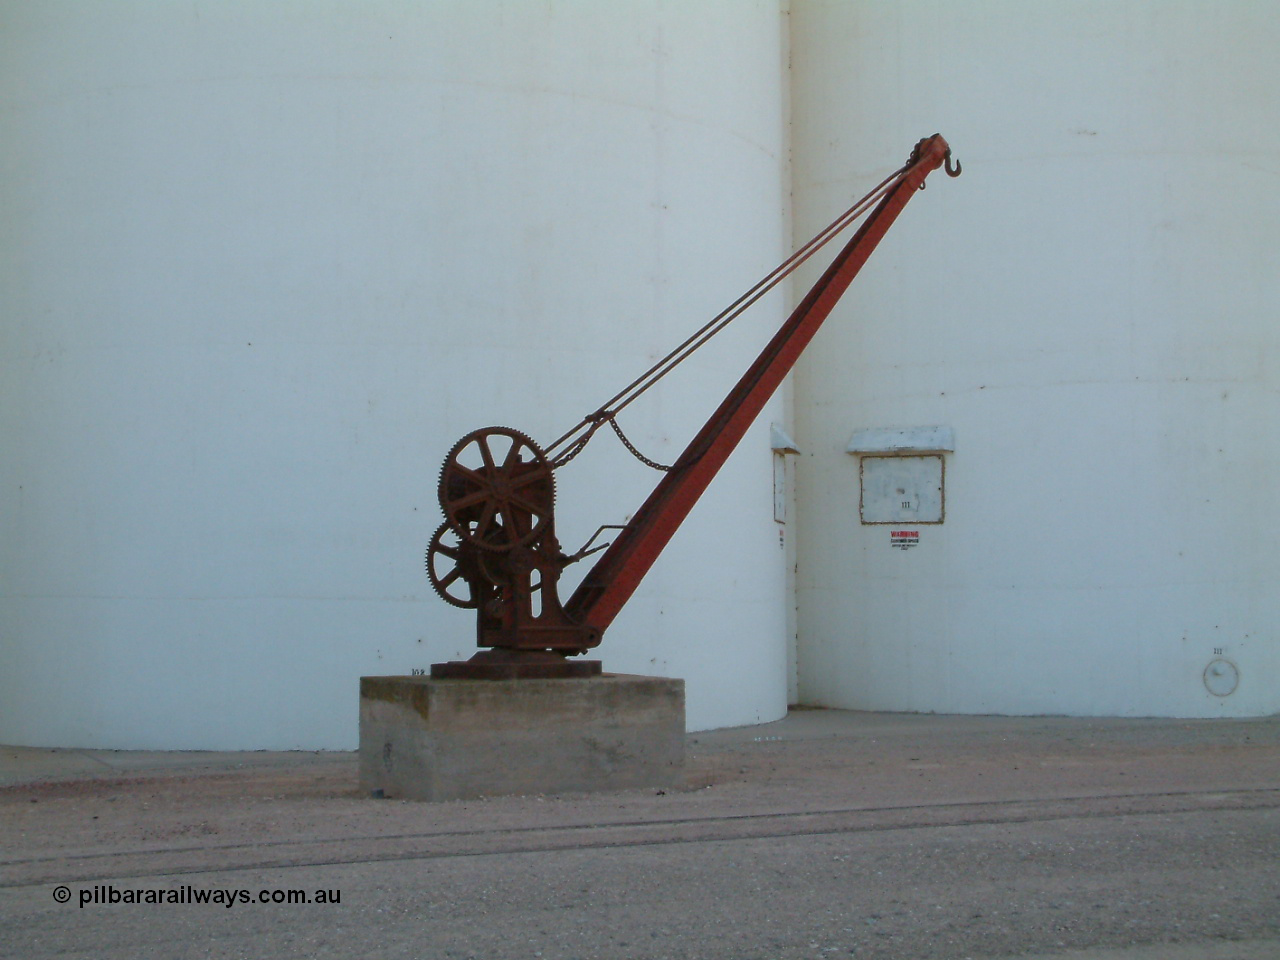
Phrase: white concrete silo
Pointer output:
(264, 263)
(1092, 310)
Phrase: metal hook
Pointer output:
(950, 171)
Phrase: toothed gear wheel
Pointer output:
(453, 570)
(496, 489)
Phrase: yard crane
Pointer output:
(497, 551)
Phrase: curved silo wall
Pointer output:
(264, 263)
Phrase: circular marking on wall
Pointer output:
(1221, 677)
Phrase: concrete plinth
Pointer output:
(425, 738)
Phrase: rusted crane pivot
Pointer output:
(497, 492)
(497, 551)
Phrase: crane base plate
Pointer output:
(505, 663)
(471, 670)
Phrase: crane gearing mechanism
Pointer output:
(497, 552)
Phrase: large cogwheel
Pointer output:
(496, 489)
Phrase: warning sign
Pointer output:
(904, 539)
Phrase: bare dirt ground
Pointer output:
(828, 834)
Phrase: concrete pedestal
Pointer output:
(424, 738)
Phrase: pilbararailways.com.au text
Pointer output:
(109, 894)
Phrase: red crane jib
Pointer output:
(497, 551)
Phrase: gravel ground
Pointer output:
(828, 834)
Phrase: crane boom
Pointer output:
(615, 577)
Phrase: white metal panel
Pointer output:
(902, 490)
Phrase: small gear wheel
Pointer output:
(454, 571)
(496, 489)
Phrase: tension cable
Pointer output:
(575, 440)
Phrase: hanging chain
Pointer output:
(613, 422)
(597, 421)
(578, 437)
(575, 448)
